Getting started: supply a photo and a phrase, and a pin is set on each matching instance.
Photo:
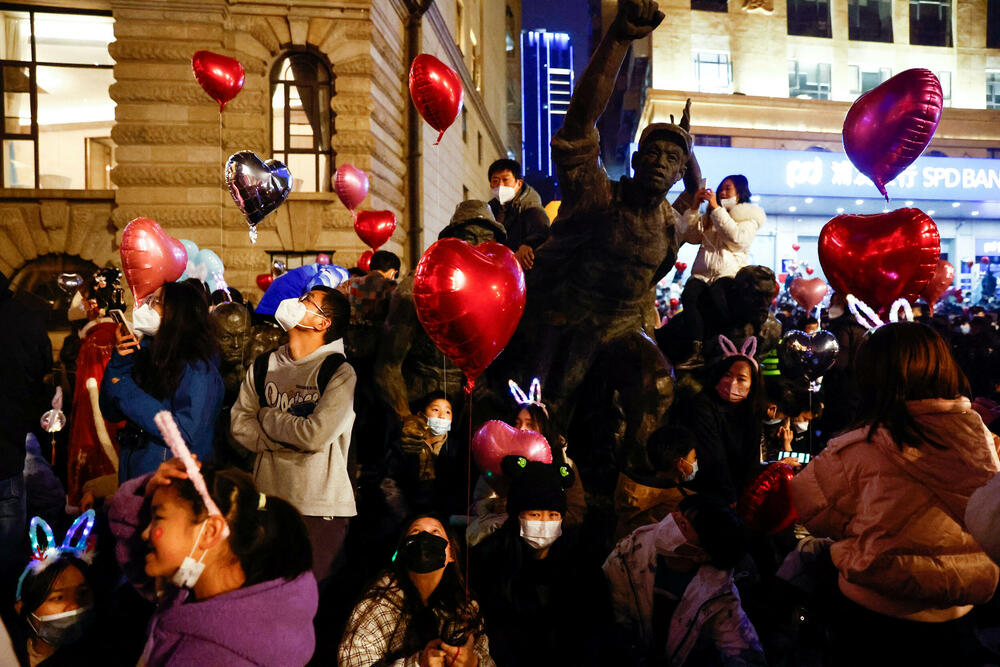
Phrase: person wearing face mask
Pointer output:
(517, 206)
(725, 232)
(295, 411)
(673, 453)
(726, 417)
(418, 611)
(229, 568)
(544, 600)
(175, 367)
(672, 589)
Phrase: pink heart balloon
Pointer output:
(351, 185)
(888, 127)
(495, 439)
(944, 276)
(796, 247)
(808, 293)
(150, 257)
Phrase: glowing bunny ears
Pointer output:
(172, 436)
(870, 320)
(534, 396)
(747, 351)
(75, 543)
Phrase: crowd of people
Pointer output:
(330, 525)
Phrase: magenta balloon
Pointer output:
(808, 293)
(888, 127)
(495, 440)
(351, 185)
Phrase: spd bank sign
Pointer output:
(813, 174)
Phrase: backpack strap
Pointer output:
(330, 366)
(260, 365)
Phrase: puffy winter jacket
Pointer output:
(897, 514)
(725, 237)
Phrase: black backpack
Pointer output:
(330, 366)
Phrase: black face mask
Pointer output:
(424, 552)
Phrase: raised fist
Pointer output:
(637, 18)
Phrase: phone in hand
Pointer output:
(119, 317)
(801, 457)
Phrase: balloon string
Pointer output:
(468, 490)
(222, 201)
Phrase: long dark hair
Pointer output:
(752, 409)
(186, 336)
(270, 542)
(448, 614)
(900, 362)
(546, 428)
(741, 184)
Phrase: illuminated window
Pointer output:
(301, 123)
(809, 80)
(56, 71)
(869, 20)
(930, 22)
(864, 79)
(713, 71)
(945, 79)
(809, 18)
(993, 90)
(720, 140)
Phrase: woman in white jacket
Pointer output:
(725, 232)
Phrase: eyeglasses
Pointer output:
(307, 298)
(153, 300)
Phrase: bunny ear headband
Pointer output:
(747, 351)
(75, 543)
(870, 320)
(172, 435)
(534, 396)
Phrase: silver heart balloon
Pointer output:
(257, 187)
(278, 268)
(69, 282)
(807, 355)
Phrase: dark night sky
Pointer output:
(570, 16)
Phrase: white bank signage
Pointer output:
(812, 174)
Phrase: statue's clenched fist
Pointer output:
(637, 18)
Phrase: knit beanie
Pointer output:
(535, 485)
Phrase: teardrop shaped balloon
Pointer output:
(150, 257)
(436, 91)
(220, 76)
(69, 282)
(351, 186)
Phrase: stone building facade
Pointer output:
(170, 145)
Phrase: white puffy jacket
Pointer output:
(725, 238)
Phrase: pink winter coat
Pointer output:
(897, 515)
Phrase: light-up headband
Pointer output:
(534, 396)
(47, 553)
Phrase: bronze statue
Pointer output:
(233, 322)
(582, 331)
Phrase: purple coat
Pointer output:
(270, 623)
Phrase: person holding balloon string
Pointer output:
(725, 233)
(174, 367)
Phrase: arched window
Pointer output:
(301, 120)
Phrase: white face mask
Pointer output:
(190, 570)
(503, 193)
(801, 427)
(669, 537)
(76, 310)
(729, 202)
(694, 471)
(290, 313)
(145, 320)
(540, 534)
(965, 328)
(438, 426)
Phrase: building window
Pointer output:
(809, 18)
(713, 71)
(993, 91)
(713, 140)
(993, 24)
(710, 5)
(809, 80)
(869, 20)
(993, 153)
(465, 193)
(479, 146)
(930, 22)
(460, 24)
(935, 154)
(864, 79)
(301, 123)
(55, 71)
(465, 124)
(945, 79)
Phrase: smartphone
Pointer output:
(119, 317)
(801, 457)
(704, 183)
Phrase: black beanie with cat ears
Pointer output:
(535, 485)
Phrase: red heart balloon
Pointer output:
(351, 185)
(680, 266)
(436, 91)
(880, 258)
(264, 281)
(220, 76)
(365, 261)
(888, 127)
(808, 293)
(150, 257)
(810, 270)
(674, 303)
(495, 440)
(944, 276)
(766, 504)
(469, 300)
(796, 247)
(375, 227)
